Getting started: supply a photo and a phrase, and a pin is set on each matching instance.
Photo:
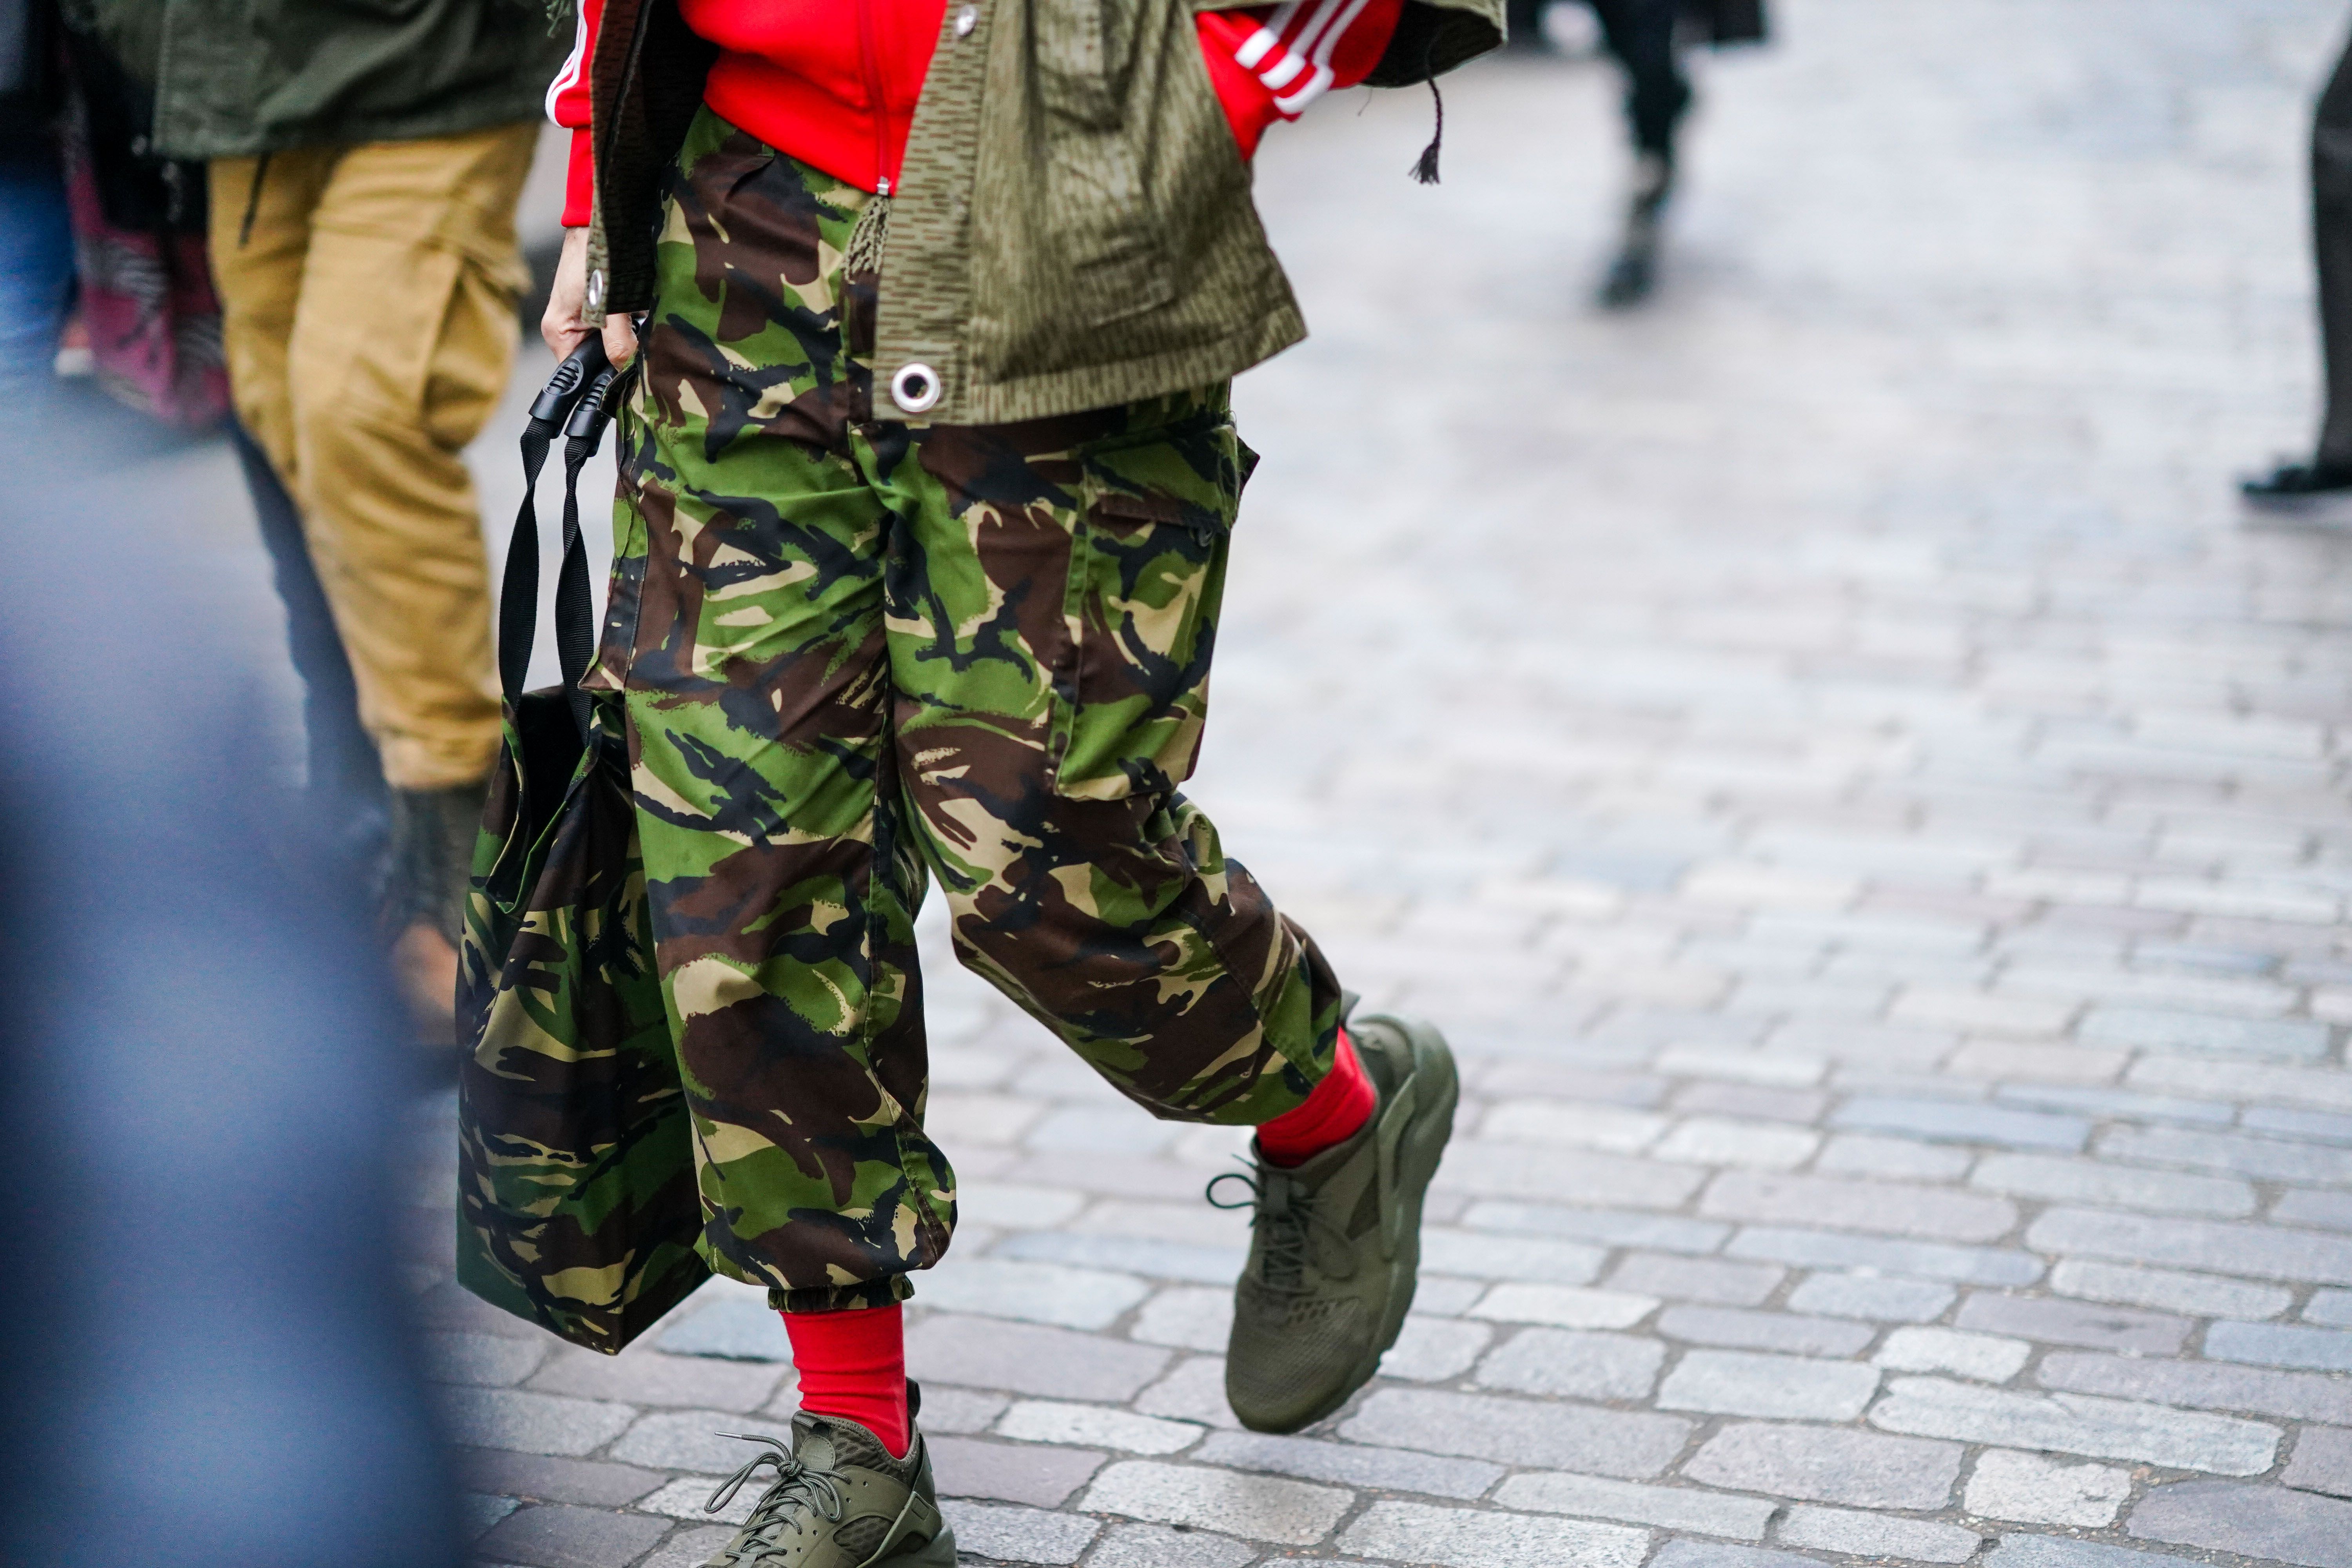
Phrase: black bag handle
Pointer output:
(578, 402)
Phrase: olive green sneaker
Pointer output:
(1335, 1242)
(839, 1500)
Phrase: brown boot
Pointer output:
(425, 971)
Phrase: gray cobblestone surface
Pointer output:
(1828, 1464)
(2323, 1461)
(2036, 1489)
(1866, 808)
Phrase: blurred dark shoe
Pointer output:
(1634, 273)
(2314, 489)
(1631, 276)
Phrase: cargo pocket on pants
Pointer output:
(1147, 575)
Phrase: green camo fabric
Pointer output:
(862, 657)
(577, 1207)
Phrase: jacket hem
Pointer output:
(1057, 393)
(354, 132)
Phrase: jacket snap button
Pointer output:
(967, 18)
(596, 288)
(916, 389)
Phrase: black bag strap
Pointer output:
(578, 402)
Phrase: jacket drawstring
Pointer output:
(252, 200)
(1425, 168)
(866, 239)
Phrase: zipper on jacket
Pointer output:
(865, 250)
(869, 58)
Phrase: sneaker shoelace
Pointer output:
(797, 1489)
(1286, 1218)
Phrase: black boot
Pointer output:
(2316, 492)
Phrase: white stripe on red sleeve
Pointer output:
(1291, 51)
(574, 72)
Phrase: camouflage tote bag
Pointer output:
(577, 1205)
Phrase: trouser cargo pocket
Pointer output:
(1147, 552)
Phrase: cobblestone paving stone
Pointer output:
(1868, 811)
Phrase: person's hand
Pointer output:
(561, 326)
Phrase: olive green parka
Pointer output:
(1073, 225)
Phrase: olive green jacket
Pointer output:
(1073, 225)
(235, 78)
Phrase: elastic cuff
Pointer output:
(885, 1291)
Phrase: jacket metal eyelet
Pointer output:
(916, 389)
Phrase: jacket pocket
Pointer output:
(1084, 56)
(1095, 185)
(1118, 262)
(1146, 581)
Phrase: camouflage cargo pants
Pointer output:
(860, 655)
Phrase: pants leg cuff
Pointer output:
(882, 1292)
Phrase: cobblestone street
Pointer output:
(1868, 811)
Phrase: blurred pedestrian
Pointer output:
(1646, 38)
(145, 277)
(1642, 36)
(148, 318)
(364, 166)
(205, 1362)
(2320, 488)
(924, 512)
(36, 259)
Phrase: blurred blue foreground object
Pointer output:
(204, 1360)
(36, 259)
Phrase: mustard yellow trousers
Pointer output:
(369, 294)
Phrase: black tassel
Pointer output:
(1425, 168)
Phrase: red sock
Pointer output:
(852, 1365)
(1341, 1104)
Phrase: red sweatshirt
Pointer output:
(833, 82)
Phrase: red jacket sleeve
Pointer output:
(567, 105)
(1269, 62)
